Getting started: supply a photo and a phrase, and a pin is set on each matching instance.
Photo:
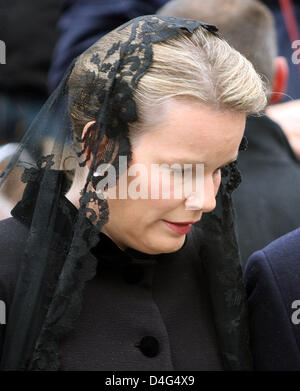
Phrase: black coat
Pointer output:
(140, 312)
(272, 276)
(128, 310)
(28, 30)
(267, 201)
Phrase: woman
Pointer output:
(104, 282)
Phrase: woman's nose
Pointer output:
(204, 200)
(194, 201)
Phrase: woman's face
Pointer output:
(188, 132)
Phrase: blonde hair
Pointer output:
(247, 25)
(200, 66)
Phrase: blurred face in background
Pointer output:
(187, 132)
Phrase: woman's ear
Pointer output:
(88, 126)
(281, 75)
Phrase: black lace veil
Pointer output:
(57, 262)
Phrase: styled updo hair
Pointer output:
(201, 66)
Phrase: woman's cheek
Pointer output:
(218, 182)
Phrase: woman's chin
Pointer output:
(167, 244)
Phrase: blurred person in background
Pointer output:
(287, 113)
(286, 14)
(83, 22)
(28, 30)
(269, 165)
(272, 275)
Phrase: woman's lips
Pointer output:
(178, 228)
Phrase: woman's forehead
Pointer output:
(189, 129)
